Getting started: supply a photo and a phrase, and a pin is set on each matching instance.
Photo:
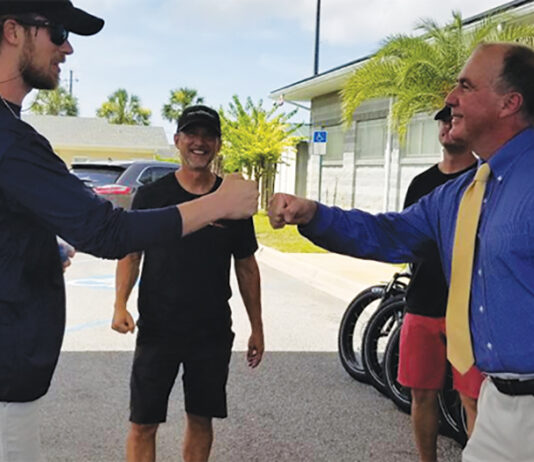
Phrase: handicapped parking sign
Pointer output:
(319, 142)
(320, 136)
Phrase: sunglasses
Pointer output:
(57, 32)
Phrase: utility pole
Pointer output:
(317, 35)
(70, 81)
(315, 72)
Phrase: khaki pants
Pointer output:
(19, 432)
(504, 429)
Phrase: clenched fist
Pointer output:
(238, 197)
(285, 209)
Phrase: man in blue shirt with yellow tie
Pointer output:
(493, 110)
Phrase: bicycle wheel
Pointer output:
(399, 394)
(376, 337)
(452, 422)
(351, 329)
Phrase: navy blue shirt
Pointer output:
(502, 290)
(40, 199)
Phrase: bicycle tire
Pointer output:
(452, 417)
(350, 336)
(399, 394)
(376, 336)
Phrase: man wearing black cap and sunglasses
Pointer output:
(184, 315)
(39, 199)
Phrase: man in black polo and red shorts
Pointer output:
(423, 356)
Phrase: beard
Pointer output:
(31, 75)
(457, 147)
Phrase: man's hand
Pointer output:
(285, 209)
(122, 321)
(238, 197)
(66, 253)
(255, 349)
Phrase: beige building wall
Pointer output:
(79, 154)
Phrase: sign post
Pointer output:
(320, 138)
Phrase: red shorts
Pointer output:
(423, 357)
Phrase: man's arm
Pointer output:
(73, 211)
(248, 278)
(389, 237)
(235, 199)
(125, 278)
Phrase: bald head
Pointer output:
(517, 75)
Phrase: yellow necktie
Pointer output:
(459, 349)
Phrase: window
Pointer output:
(421, 138)
(152, 174)
(335, 142)
(371, 137)
(97, 175)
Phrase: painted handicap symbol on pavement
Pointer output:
(106, 282)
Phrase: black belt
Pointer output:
(514, 387)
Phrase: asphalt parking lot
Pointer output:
(299, 405)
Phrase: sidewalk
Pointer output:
(338, 275)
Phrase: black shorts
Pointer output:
(155, 367)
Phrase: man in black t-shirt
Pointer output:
(423, 358)
(184, 316)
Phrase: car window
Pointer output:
(152, 174)
(101, 176)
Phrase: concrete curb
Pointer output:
(326, 281)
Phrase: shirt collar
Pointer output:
(510, 152)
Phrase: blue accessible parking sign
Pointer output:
(320, 136)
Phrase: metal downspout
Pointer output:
(387, 160)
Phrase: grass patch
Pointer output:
(286, 239)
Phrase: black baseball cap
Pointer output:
(200, 115)
(444, 114)
(56, 11)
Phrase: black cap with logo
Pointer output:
(200, 115)
(57, 11)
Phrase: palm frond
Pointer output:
(419, 71)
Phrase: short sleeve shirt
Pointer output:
(428, 291)
(185, 284)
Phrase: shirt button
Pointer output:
(481, 309)
(480, 272)
(485, 201)
(490, 346)
(499, 178)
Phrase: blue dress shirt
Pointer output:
(502, 291)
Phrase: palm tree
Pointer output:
(55, 102)
(179, 99)
(419, 71)
(124, 109)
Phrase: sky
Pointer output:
(227, 47)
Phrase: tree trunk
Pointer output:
(267, 184)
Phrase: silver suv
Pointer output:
(118, 181)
